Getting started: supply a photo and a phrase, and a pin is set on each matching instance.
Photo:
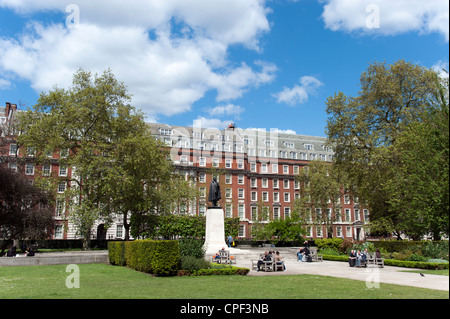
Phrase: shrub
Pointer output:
(158, 257)
(116, 253)
(333, 243)
(190, 263)
(191, 247)
(329, 251)
(435, 250)
(417, 257)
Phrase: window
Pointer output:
(62, 171)
(59, 231)
(254, 212)
(241, 231)
(228, 163)
(276, 213)
(274, 168)
(346, 199)
(240, 193)
(357, 216)
(303, 156)
(348, 231)
(228, 179)
(263, 168)
(339, 231)
(253, 167)
(289, 144)
(347, 215)
(240, 179)
(229, 210)
(285, 169)
(202, 191)
(29, 169)
(202, 161)
(276, 197)
(119, 231)
(296, 184)
(165, 131)
(285, 183)
(276, 184)
(46, 169)
(12, 149)
(265, 183)
(215, 162)
(228, 193)
(61, 187)
(283, 154)
(293, 155)
(287, 212)
(240, 164)
(366, 214)
(308, 147)
(254, 196)
(287, 197)
(319, 231)
(183, 159)
(202, 178)
(265, 196)
(253, 182)
(59, 210)
(241, 211)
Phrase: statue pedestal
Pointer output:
(215, 231)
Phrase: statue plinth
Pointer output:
(215, 230)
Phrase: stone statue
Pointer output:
(214, 192)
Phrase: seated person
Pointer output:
(267, 257)
(279, 261)
(300, 254)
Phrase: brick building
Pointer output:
(257, 169)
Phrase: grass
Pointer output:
(103, 281)
(442, 272)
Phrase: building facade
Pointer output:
(257, 170)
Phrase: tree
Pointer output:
(373, 135)
(25, 210)
(321, 193)
(85, 123)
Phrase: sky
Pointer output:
(268, 64)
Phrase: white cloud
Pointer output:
(395, 17)
(229, 109)
(4, 84)
(185, 56)
(211, 123)
(439, 67)
(299, 93)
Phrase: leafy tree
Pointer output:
(25, 211)
(320, 195)
(377, 136)
(85, 124)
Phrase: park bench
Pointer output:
(314, 255)
(266, 265)
(373, 260)
(225, 257)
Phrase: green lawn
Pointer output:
(111, 282)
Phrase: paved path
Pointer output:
(388, 274)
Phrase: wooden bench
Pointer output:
(265, 265)
(225, 257)
(372, 260)
(314, 255)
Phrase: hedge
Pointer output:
(158, 257)
(398, 263)
(398, 245)
(211, 272)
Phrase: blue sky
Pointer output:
(261, 64)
